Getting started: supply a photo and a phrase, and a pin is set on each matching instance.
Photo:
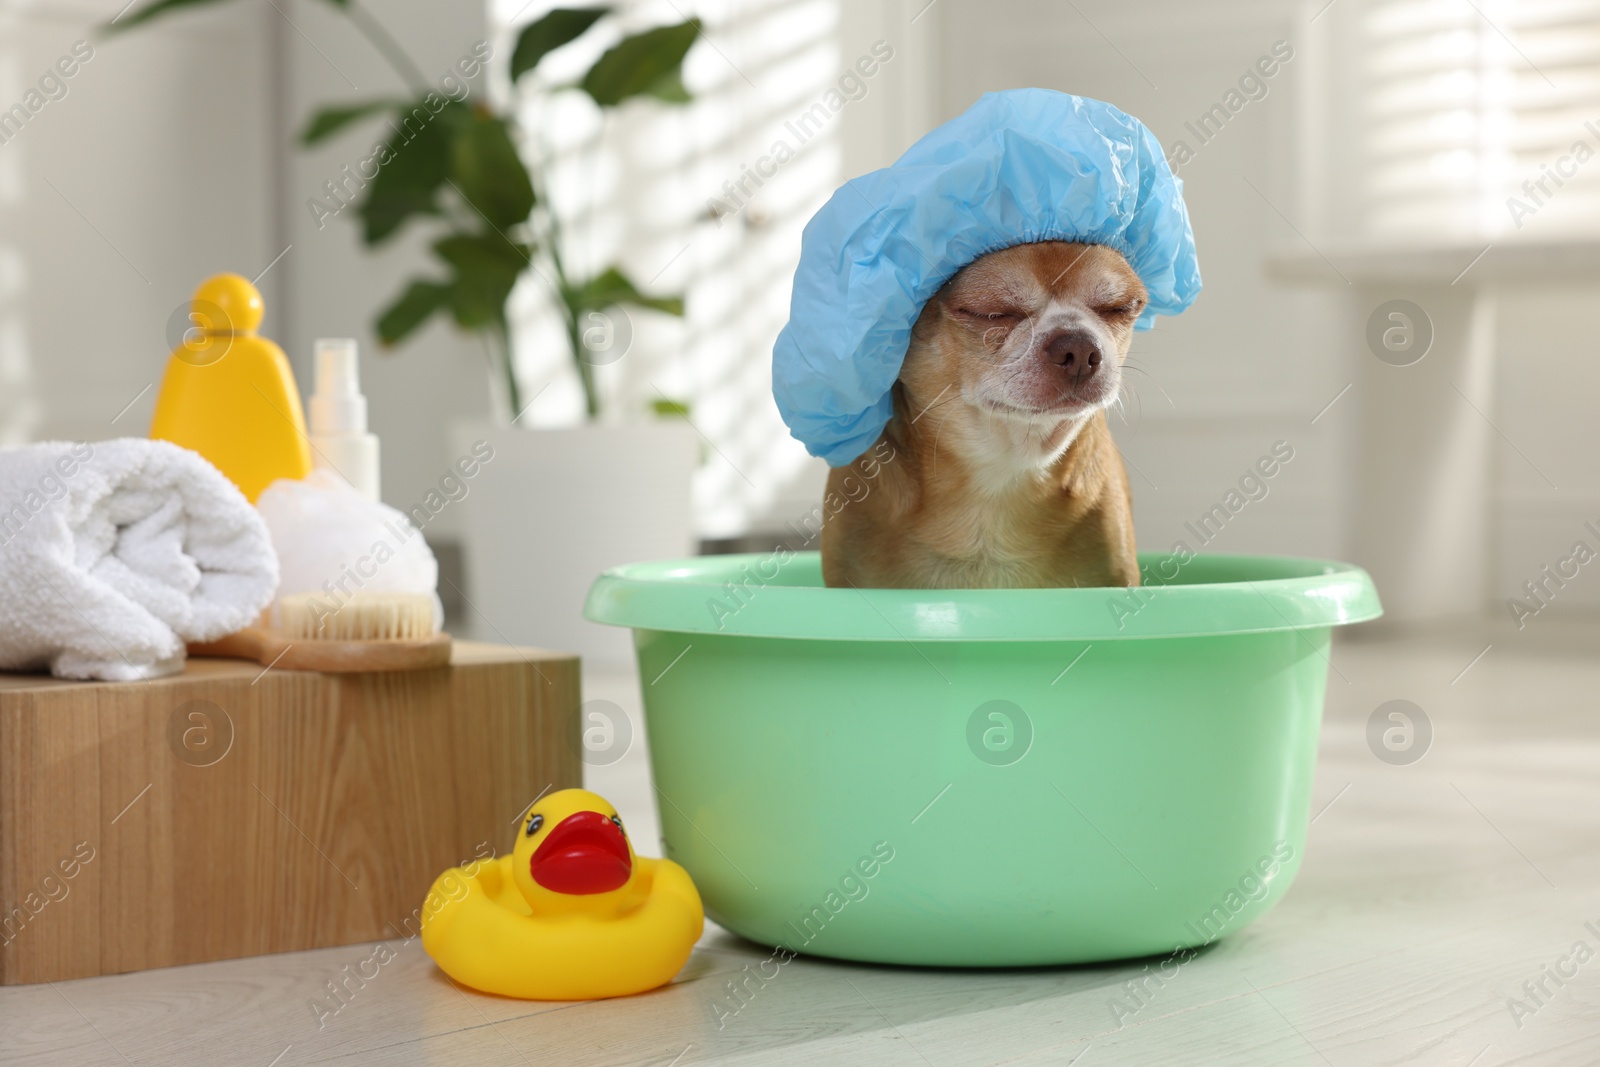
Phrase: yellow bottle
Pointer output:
(230, 395)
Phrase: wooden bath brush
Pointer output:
(368, 632)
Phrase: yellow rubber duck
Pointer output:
(571, 914)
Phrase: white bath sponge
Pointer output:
(336, 545)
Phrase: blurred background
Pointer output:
(1395, 202)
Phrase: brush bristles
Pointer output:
(365, 616)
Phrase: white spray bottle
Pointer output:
(339, 437)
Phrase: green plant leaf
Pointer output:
(476, 307)
(670, 88)
(612, 287)
(670, 409)
(386, 209)
(671, 305)
(148, 12)
(638, 65)
(412, 166)
(485, 253)
(330, 120)
(543, 36)
(486, 268)
(420, 300)
(489, 173)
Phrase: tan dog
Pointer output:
(997, 468)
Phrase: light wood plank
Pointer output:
(337, 802)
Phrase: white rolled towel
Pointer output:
(115, 554)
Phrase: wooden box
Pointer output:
(232, 812)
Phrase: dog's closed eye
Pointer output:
(995, 322)
(1121, 309)
(997, 314)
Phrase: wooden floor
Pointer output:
(1430, 894)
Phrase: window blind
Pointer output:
(1482, 118)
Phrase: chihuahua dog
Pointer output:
(997, 468)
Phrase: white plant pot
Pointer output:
(554, 508)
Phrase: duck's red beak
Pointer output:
(584, 853)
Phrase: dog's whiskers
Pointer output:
(1130, 364)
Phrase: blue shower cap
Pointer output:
(1018, 167)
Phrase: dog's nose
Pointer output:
(1075, 351)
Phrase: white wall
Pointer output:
(117, 199)
(1548, 381)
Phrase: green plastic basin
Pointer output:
(984, 777)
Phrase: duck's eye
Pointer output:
(534, 824)
(617, 820)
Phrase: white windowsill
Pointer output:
(1506, 260)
